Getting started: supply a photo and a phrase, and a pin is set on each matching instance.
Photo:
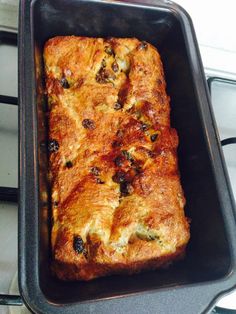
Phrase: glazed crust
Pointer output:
(117, 201)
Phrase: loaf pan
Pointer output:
(208, 271)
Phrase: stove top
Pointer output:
(8, 159)
(223, 94)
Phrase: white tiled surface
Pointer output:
(8, 145)
(8, 167)
(224, 101)
(214, 21)
(8, 72)
(9, 14)
(8, 118)
(8, 246)
(215, 24)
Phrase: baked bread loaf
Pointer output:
(117, 201)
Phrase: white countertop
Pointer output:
(215, 24)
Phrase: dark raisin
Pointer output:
(116, 144)
(131, 159)
(159, 81)
(143, 45)
(78, 244)
(109, 51)
(119, 177)
(152, 237)
(136, 166)
(53, 146)
(88, 124)
(144, 127)
(150, 153)
(55, 204)
(104, 76)
(118, 161)
(118, 106)
(64, 83)
(95, 171)
(119, 133)
(125, 189)
(69, 164)
(99, 181)
(104, 63)
(138, 170)
(127, 155)
(153, 137)
(115, 66)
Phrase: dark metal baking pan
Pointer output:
(190, 286)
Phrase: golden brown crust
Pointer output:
(118, 205)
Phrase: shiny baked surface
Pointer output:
(117, 201)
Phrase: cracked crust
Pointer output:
(117, 201)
